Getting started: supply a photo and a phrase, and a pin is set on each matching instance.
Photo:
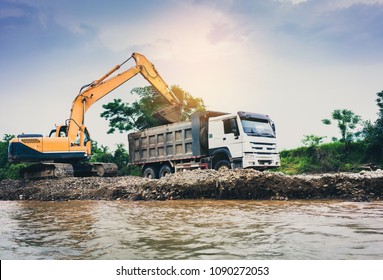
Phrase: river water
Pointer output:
(191, 229)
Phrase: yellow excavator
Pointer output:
(67, 149)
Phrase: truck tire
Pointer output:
(150, 172)
(222, 165)
(165, 170)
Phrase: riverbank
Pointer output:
(198, 184)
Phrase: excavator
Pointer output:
(67, 149)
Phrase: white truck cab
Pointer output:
(248, 140)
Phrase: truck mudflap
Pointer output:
(44, 170)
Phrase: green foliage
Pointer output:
(373, 133)
(120, 157)
(190, 104)
(101, 154)
(347, 122)
(8, 170)
(330, 157)
(312, 140)
(139, 114)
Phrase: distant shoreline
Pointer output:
(207, 184)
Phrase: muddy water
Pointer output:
(191, 229)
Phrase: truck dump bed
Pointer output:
(177, 141)
(167, 142)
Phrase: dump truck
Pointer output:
(211, 140)
(67, 149)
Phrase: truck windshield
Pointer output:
(257, 127)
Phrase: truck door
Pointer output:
(231, 138)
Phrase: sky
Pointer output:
(295, 60)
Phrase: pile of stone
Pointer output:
(198, 184)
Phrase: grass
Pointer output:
(331, 157)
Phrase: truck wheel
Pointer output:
(165, 170)
(150, 173)
(222, 165)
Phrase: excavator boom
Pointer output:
(103, 86)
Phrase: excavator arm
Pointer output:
(91, 93)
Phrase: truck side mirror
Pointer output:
(273, 127)
(235, 131)
(231, 126)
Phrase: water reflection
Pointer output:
(192, 229)
(51, 230)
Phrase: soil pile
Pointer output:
(197, 184)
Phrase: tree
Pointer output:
(312, 140)
(8, 170)
(373, 133)
(101, 154)
(139, 114)
(120, 157)
(4, 150)
(347, 122)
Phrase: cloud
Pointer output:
(294, 2)
(336, 29)
(12, 12)
(181, 30)
(353, 31)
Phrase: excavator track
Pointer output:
(48, 170)
(44, 170)
(98, 169)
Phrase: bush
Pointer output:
(332, 157)
(7, 170)
(120, 157)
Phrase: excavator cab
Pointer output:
(59, 131)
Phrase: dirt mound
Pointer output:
(230, 184)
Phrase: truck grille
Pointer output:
(264, 148)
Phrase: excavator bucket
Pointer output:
(169, 114)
